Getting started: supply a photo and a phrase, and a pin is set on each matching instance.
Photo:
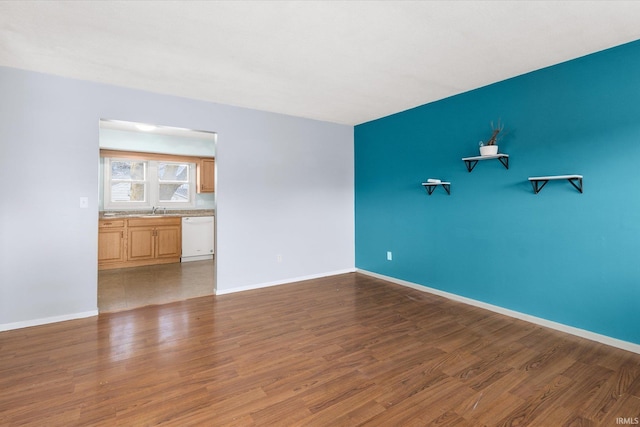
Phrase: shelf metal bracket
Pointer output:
(470, 164)
(504, 161)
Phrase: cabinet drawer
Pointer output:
(150, 222)
(111, 223)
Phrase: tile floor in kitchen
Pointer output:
(127, 288)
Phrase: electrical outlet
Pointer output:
(389, 256)
(279, 258)
(84, 202)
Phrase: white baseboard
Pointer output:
(613, 342)
(46, 320)
(282, 282)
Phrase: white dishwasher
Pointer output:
(197, 238)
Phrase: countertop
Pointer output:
(160, 213)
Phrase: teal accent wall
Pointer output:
(559, 255)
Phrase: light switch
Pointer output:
(84, 202)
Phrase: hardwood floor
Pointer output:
(127, 288)
(346, 350)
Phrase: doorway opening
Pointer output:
(152, 180)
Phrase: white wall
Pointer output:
(284, 186)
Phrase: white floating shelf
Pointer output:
(471, 162)
(430, 186)
(538, 182)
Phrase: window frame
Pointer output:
(108, 180)
(152, 183)
(191, 181)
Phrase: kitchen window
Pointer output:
(174, 185)
(142, 184)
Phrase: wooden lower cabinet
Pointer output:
(111, 248)
(169, 241)
(141, 243)
(144, 241)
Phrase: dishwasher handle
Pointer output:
(197, 219)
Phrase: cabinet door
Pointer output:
(141, 243)
(205, 179)
(110, 246)
(168, 241)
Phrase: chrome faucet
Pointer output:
(153, 210)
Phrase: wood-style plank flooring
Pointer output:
(346, 350)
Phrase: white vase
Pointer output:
(488, 150)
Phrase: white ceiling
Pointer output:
(339, 61)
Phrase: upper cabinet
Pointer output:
(206, 175)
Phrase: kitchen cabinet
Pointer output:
(206, 175)
(154, 240)
(139, 241)
(169, 241)
(111, 242)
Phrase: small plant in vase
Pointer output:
(490, 148)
